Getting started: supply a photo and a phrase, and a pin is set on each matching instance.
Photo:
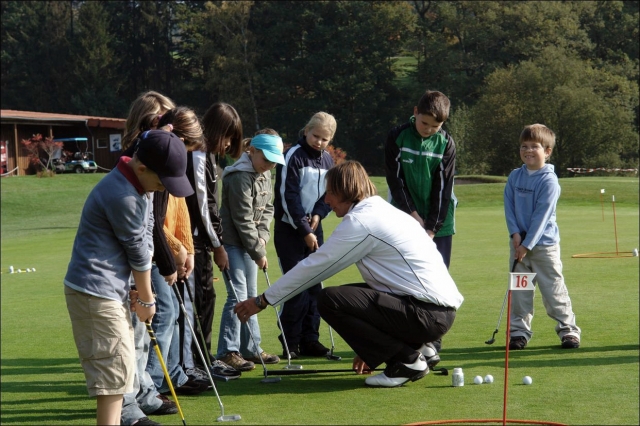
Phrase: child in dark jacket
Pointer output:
(299, 210)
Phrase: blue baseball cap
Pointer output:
(271, 146)
(165, 154)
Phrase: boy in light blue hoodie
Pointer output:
(530, 199)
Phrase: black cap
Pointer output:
(166, 155)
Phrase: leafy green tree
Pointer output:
(590, 110)
(94, 64)
(335, 56)
(465, 41)
(35, 55)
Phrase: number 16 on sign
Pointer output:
(521, 281)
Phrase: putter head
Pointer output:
(271, 380)
(490, 341)
(229, 418)
(332, 357)
(292, 367)
(443, 371)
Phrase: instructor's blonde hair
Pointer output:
(350, 182)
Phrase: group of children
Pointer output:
(154, 222)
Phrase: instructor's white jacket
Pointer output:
(392, 252)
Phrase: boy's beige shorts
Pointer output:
(103, 334)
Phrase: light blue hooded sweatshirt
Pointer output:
(530, 200)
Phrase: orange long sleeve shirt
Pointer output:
(177, 225)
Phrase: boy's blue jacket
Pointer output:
(530, 201)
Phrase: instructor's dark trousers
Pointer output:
(377, 325)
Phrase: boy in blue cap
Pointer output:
(112, 243)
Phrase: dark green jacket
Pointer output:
(420, 174)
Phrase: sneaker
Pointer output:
(314, 348)
(517, 343)
(570, 342)
(398, 374)
(191, 387)
(266, 358)
(430, 354)
(145, 421)
(220, 369)
(167, 407)
(197, 374)
(235, 360)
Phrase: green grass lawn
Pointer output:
(42, 382)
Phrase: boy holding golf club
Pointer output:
(530, 199)
(420, 162)
(114, 241)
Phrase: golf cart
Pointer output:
(73, 161)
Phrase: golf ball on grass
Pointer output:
(488, 378)
(635, 252)
(477, 380)
(527, 380)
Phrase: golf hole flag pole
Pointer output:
(518, 281)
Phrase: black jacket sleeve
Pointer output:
(442, 187)
(394, 172)
(162, 254)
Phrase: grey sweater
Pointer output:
(113, 238)
(247, 208)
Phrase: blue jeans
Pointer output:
(143, 400)
(234, 336)
(165, 326)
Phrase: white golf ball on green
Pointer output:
(527, 380)
(477, 380)
(488, 378)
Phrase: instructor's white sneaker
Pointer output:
(430, 354)
(398, 374)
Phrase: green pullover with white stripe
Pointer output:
(420, 173)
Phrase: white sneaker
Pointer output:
(430, 354)
(398, 374)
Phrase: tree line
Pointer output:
(572, 65)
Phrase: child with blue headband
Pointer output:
(246, 214)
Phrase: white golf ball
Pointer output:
(488, 378)
(527, 380)
(33, 269)
(28, 269)
(635, 252)
(477, 380)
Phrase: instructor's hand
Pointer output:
(360, 367)
(245, 309)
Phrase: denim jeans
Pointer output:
(143, 400)
(165, 326)
(234, 336)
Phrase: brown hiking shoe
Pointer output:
(266, 358)
(235, 360)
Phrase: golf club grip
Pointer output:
(297, 372)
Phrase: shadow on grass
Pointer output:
(48, 416)
(31, 366)
(531, 356)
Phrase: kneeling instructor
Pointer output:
(407, 299)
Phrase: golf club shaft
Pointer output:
(258, 354)
(154, 343)
(208, 371)
(333, 345)
(296, 372)
(284, 339)
(198, 324)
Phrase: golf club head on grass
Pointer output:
(332, 357)
(229, 418)
(271, 380)
(443, 371)
(493, 338)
